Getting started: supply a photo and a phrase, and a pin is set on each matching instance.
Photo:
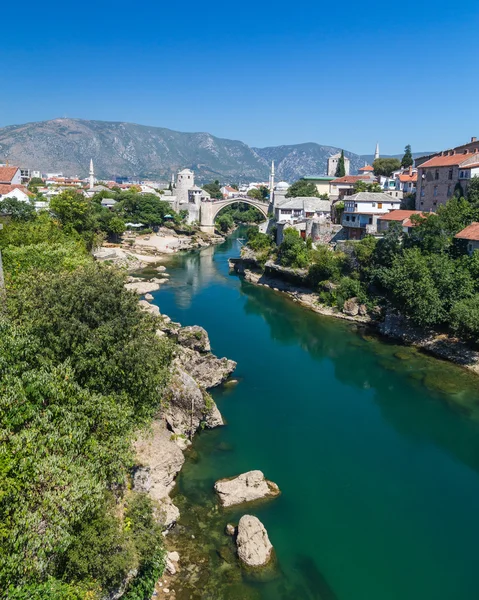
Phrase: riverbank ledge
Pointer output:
(388, 323)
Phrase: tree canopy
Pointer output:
(386, 166)
(341, 168)
(302, 188)
(407, 160)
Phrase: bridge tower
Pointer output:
(185, 180)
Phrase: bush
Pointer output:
(327, 265)
(465, 318)
(293, 251)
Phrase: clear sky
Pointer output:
(341, 73)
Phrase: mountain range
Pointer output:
(130, 150)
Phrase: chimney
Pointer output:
(474, 139)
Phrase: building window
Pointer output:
(449, 190)
(435, 190)
(380, 204)
(370, 220)
(436, 175)
(374, 204)
(353, 218)
(347, 218)
(461, 175)
(450, 173)
(423, 193)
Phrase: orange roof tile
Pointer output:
(400, 215)
(448, 160)
(408, 178)
(366, 168)
(348, 179)
(471, 232)
(5, 188)
(7, 174)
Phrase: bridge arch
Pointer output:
(209, 210)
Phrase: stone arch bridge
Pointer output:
(209, 210)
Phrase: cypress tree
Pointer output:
(341, 169)
(407, 159)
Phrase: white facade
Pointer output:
(361, 212)
(302, 207)
(16, 193)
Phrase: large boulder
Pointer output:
(351, 307)
(206, 369)
(142, 287)
(149, 308)
(252, 542)
(159, 459)
(189, 406)
(246, 487)
(194, 337)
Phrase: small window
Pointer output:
(450, 174)
(436, 175)
(347, 218)
(370, 220)
(423, 193)
(449, 190)
(380, 204)
(435, 190)
(374, 204)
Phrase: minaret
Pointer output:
(271, 184)
(376, 154)
(92, 174)
(172, 181)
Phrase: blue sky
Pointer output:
(268, 73)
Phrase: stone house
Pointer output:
(403, 217)
(441, 174)
(302, 207)
(362, 210)
(470, 235)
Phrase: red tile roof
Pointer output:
(399, 215)
(7, 174)
(471, 166)
(471, 232)
(366, 168)
(5, 188)
(348, 179)
(405, 177)
(447, 161)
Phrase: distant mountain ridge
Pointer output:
(127, 149)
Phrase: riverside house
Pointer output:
(362, 210)
(470, 235)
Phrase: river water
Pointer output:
(374, 446)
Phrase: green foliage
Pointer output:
(17, 210)
(293, 251)
(385, 166)
(363, 186)
(302, 188)
(44, 257)
(214, 189)
(73, 210)
(52, 589)
(327, 265)
(225, 222)
(144, 208)
(341, 168)
(465, 318)
(350, 288)
(243, 213)
(35, 181)
(255, 194)
(40, 230)
(407, 159)
(258, 241)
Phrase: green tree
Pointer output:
(255, 193)
(214, 189)
(73, 210)
(407, 160)
(341, 168)
(17, 209)
(293, 251)
(302, 188)
(385, 166)
(363, 186)
(225, 222)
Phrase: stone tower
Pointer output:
(92, 175)
(185, 180)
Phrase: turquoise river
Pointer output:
(374, 446)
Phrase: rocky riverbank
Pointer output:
(188, 407)
(137, 252)
(387, 323)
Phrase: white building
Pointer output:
(302, 207)
(14, 191)
(228, 192)
(361, 212)
(10, 175)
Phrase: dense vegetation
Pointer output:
(81, 370)
(425, 275)
(236, 213)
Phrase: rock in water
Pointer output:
(230, 529)
(245, 488)
(142, 287)
(206, 369)
(252, 542)
(194, 337)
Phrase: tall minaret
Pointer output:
(92, 174)
(172, 181)
(376, 154)
(271, 184)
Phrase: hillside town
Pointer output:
(329, 207)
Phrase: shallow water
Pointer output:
(374, 446)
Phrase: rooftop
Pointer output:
(6, 188)
(348, 179)
(306, 203)
(448, 160)
(400, 215)
(471, 232)
(371, 197)
(7, 174)
(366, 168)
(317, 178)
